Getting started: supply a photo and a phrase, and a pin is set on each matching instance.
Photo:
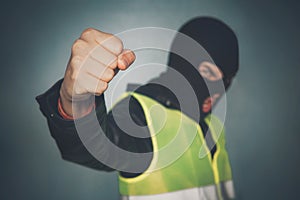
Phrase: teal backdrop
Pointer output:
(263, 103)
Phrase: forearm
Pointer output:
(99, 129)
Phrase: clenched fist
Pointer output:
(95, 59)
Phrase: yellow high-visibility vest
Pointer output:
(182, 167)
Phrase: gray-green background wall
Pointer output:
(263, 103)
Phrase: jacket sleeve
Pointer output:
(69, 135)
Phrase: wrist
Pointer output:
(73, 109)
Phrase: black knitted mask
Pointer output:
(219, 41)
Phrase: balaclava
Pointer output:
(219, 41)
(200, 39)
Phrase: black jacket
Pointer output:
(71, 147)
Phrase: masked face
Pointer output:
(208, 80)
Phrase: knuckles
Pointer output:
(78, 45)
(87, 33)
(83, 45)
(90, 34)
(75, 61)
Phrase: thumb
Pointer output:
(125, 59)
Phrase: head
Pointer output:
(220, 42)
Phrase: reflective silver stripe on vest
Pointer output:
(227, 190)
(200, 193)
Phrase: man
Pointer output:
(135, 125)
